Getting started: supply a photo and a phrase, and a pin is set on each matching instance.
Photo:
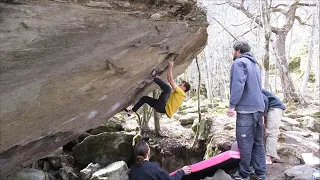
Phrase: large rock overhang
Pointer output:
(66, 68)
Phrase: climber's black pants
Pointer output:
(158, 104)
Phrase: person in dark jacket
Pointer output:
(146, 170)
(272, 118)
(247, 100)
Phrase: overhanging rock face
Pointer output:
(67, 67)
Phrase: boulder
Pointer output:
(311, 159)
(314, 125)
(28, 174)
(289, 154)
(67, 67)
(115, 171)
(195, 125)
(114, 124)
(290, 121)
(104, 148)
(86, 173)
(188, 118)
(205, 127)
(301, 172)
(221, 175)
(316, 115)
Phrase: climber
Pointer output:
(144, 169)
(168, 102)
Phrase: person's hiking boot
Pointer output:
(276, 160)
(268, 160)
(237, 176)
(261, 177)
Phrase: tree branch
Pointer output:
(273, 9)
(300, 21)
(306, 4)
(279, 5)
(218, 4)
(248, 31)
(224, 27)
(249, 15)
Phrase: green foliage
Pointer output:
(294, 64)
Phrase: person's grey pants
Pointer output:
(249, 134)
(272, 131)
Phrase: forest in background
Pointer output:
(284, 37)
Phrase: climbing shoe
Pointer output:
(127, 112)
(153, 73)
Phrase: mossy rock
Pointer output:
(114, 124)
(195, 125)
(312, 77)
(294, 64)
(104, 148)
(220, 111)
(316, 115)
(188, 118)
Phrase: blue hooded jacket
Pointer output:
(273, 100)
(245, 85)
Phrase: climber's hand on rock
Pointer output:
(170, 63)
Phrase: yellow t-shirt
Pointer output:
(174, 101)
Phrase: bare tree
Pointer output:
(199, 109)
(156, 116)
(310, 53)
(265, 11)
(289, 12)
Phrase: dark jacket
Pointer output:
(152, 171)
(273, 101)
(245, 84)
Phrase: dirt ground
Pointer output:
(175, 133)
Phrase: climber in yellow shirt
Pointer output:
(168, 102)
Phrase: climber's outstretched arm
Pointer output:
(170, 76)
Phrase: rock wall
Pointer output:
(66, 67)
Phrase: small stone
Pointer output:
(55, 162)
(155, 17)
(67, 173)
(306, 134)
(46, 166)
(87, 172)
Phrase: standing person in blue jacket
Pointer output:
(246, 100)
(146, 170)
(272, 122)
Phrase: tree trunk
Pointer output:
(286, 82)
(267, 35)
(145, 119)
(198, 93)
(156, 116)
(310, 53)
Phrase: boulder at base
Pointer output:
(104, 148)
